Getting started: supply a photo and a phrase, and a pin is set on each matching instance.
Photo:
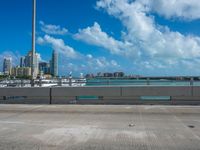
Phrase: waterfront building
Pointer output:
(107, 74)
(7, 66)
(44, 67)
(54, 64)
(21, 71)
(27, 71)
(89, 76)
(118, 74)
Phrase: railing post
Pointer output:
(191, 81)
(70, 81)
(21, 82)
(40, 82)
(60, 82)
(148, 81)
(32, 82)
(50, 96)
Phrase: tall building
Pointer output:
(7, 66)
(54, 64)
(28, 62)
(28, 59)
(22, 61)
(44, 67)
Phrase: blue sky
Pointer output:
(137, 37)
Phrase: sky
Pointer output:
(140, 37)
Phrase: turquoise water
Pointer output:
(128, 82)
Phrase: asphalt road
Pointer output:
(99, 127)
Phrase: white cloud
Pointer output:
(59, 45)
(114, 63)
(89, 56)
(183, 9)
(99, 63)
(53, 29)
(72, 60)
(89, 64)
(156, 44)
(95, 36)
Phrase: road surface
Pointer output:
(99, 127)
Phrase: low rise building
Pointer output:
(119, 74)
(107, 74)
(21, 71)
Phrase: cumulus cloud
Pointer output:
(52, 29)
(72, 60)
(59, 45)
(157, 46)
(95, 36)
(183, 9)
(88, 64)
(101, 63)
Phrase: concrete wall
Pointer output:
(34, 92)
(157, 91)
(86, 91)
(108, 95)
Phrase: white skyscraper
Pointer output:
(7, 66)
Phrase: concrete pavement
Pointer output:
(99, 127)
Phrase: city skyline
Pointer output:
(138, 37)
(23, 69)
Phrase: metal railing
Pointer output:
(98, 82)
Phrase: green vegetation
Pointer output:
(3, 76)
(23, 77)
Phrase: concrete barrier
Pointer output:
(86, 91)
(32, 92)
(196, 91)
(157, 91)
(106, 95)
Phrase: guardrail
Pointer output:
(100, 82)
(103, 95)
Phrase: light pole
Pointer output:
(33, 41)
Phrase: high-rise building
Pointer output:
(28, 62)
(7, 66)
(44, 67)
(28, 59)
(22, 61)
(54, 64)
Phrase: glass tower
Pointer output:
(54, 64)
